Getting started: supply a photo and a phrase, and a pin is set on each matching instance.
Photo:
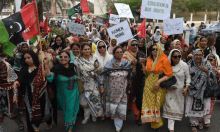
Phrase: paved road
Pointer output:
(129, 125)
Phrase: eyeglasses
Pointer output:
(100, 47)
(198, 55)
(119, 52)
(154, 49)
(176, 56)
(211, 60)
(134, 44)
(65, 56)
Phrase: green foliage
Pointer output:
(91, 6)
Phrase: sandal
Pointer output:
(207, 125)
(21, 127)
(200, 125)
(49, 127)
(139, 123)
(193, 128)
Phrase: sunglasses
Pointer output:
(154, 49)
(100, 47)
(211, 60)
(176, 56)
(65, 56)
(134, 44)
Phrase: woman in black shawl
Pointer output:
(33, 87)
(59, 43)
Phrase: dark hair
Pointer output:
(84, 44)
(74, 44)
(64, 51)
(124, 44)
(211, 40)
(202, 38)
(185, 21)
(167, 45)
(151, 55)
(117, 47)
(193, 24)
(172, 56)
(59, 36)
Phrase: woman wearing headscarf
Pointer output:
(202, 76)
(94, 35)
(103, 56)
(180, 38)
(87, 31)
(34, 89)
(113, 44)
(118, 71)
(203, 46)
(7, 93)
(173, 107)
(154, 95)
(67, 94)
(22, 47)
(88, 69)
(157, 36)
(213, 59)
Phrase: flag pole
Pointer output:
(146, 35)
(42, 59)
(153, 32)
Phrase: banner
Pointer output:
(100, 21)
(76, 28)
(121, 32)
(156, 9)
(123, 10)
(114, 19)
(173, 26)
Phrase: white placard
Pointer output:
(156, 9)
(76, 28)
(114, 19)
(121, 32)
(123, 10)
(173, 26)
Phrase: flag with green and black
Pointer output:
(19, 27)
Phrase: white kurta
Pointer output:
(173, 107)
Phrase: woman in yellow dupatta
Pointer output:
(154, 95)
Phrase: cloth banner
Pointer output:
(121, 32)
(173, 26)
(114, 19)
(123, 10)
(76, 28)
(156, 9)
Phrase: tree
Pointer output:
(194, 5)
(91, 7)
(3, 4)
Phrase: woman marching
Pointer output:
(34, 89)
(202, 76)
(67, 93)
(154, 95)
(103, 56)
(113, 44)
(88, 69)
(118, 71)
(8, 105)
(173, 107)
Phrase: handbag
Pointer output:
(167, 83)
(212, 91)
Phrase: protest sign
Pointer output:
(173, 26)
(123, 10)
(100, 21)
(76, 28)
(114, 19)
(121, 32)
(156, 9)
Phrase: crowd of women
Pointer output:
(94, 74)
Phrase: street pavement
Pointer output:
(128, 126)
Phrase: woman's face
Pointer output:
(212, 61)
(94, 31)
(154, 50)
(118, 53)
(24, 48)
(54, 39)
(87, 30)
(198, 57)
(113, 42)
(141, 43)
(134, 46)
(68, 42)
(180, 35)
(124, 48)
(171, 46)
(86, 50)
(203, 42)
(75, 50)
(101, 47)
(178, 45)
(176, 58)
(64, 58)
(58, 41)
(28, 59)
